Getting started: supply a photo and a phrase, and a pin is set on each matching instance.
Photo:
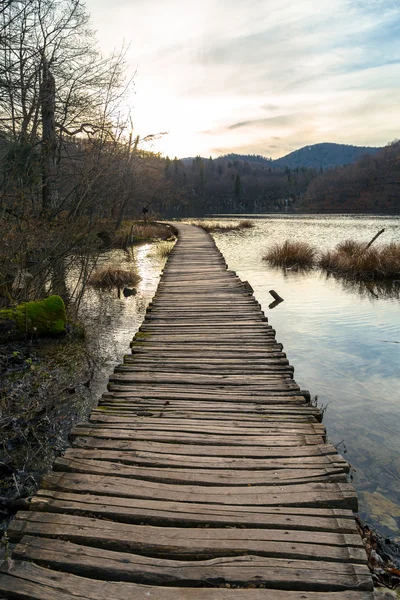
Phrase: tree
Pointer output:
(54, 83)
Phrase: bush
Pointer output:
(289, 254)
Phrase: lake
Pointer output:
(342, 339)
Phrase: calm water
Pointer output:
(112, 322)
(344, 342)
(341, 340)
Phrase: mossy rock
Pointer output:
(42, 317)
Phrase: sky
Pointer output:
(258, 76)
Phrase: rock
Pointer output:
(42, 318)
(383, 510)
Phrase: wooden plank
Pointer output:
(335, 495)
(111, 566)
(27, 581)
(190, 542)
(160, 412)
(222, 425)
(155, 459)
(184, 514)
(201, 439)
(252, 395)
(251, 451)
(201, 476)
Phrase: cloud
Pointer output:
(268, 121)
(294, 71)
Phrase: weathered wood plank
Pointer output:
(120, 566)
(190, 542)
(223, 425)
(251, 451)
(335, 495)
(27, 581)
(201, 476)
(155, 459)
(184, 514)
(208, 439)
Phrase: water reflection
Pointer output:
(336, 333)
(112, 322)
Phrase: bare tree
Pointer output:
(54, 85)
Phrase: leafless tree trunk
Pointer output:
(49, 140)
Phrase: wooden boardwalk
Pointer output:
(203, 474)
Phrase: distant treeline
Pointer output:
(254, 184)
(231, 184)
(371, 185)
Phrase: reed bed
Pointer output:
(349, 259)
(111, 276)
(355, 260)
(221, 226)
(290, 254)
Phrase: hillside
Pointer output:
(371, 185)
(325, 156)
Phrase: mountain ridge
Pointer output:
(325, 155)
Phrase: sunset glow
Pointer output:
(260, 76)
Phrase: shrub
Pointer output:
(289, 254)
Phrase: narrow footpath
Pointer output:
(204, 472)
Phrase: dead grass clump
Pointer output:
(246, 224)
(134, 232)
(109, 277)
(353, 259)
(290, 254)
(221, 226)
(163, 250)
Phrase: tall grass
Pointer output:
(290, 254)
(111, 276)
(134, 232)
(222, 226)
(353, 259)
(163, 250)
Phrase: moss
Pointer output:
(42, 317)
(142, 335)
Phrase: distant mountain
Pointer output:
(316, 156)
(325, 156)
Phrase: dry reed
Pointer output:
(221, 227)
(111, 276)
(354, 259)
(163, 250)
(290, 254)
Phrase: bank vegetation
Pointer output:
(351, 259)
